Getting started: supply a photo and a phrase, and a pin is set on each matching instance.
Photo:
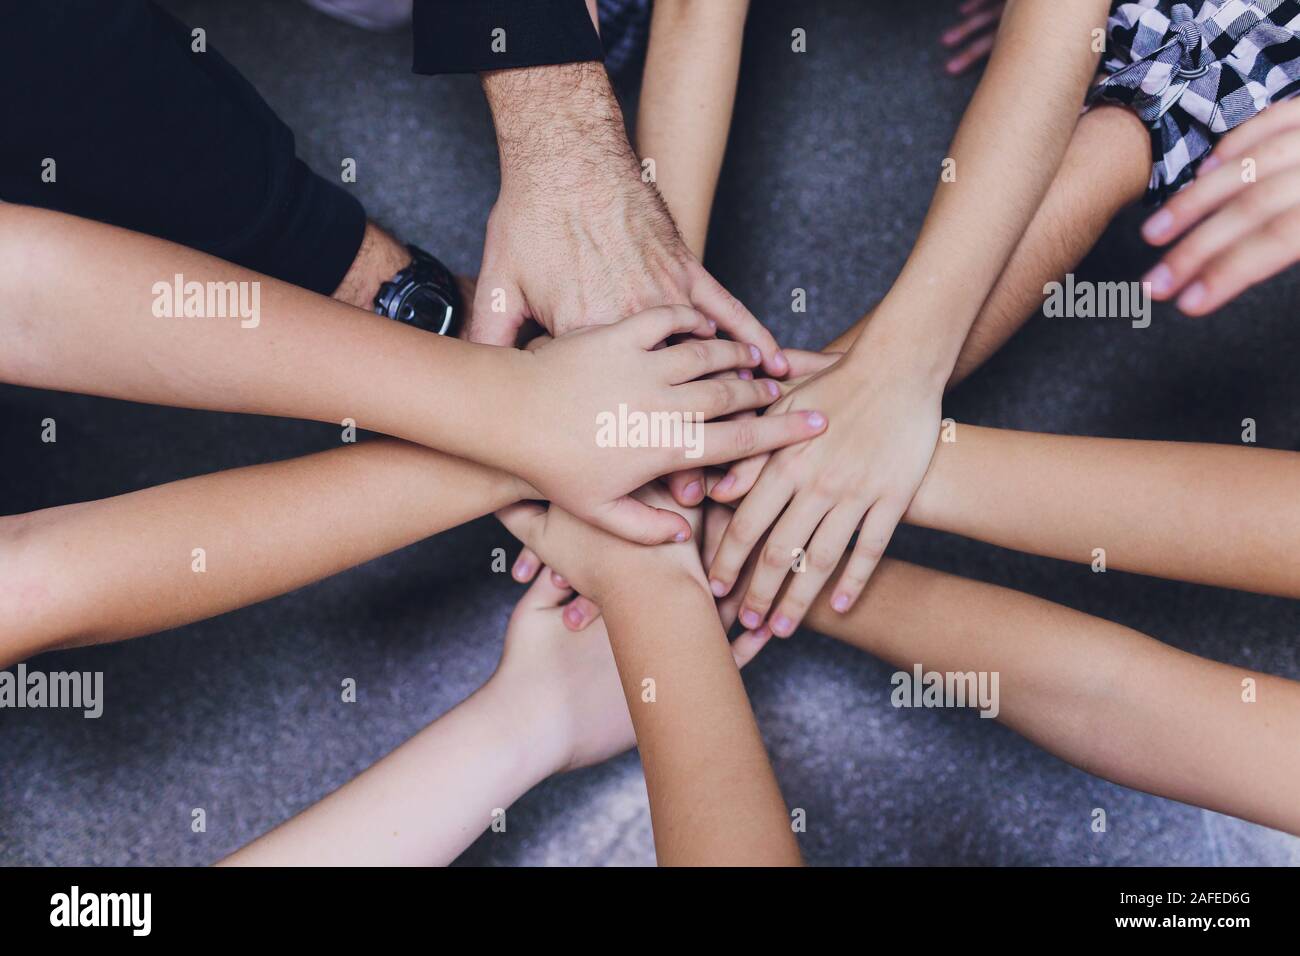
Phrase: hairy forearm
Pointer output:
(1106, 699)
(1211, 514)
(687, 96)
(207, 545)
(975, 221)
(79, 304)
(424, 803)
(713, 797)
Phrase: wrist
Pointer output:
(645, 579)
(910, 349)
(527, 725)
(545, 117)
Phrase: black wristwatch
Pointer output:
(424, 295)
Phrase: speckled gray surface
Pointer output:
(832, 160)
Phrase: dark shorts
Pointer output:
(148, 135)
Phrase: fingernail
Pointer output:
(718, 588)
(1161, 279)
(841, 603)
(691, 490)
(1194, 297)
(763, 633)
(522, 570)
(780, 363)
(679, 537)
(750, 619)
(782, 626)
(773, 389)
(573, 615)
(724, 485)
(755, 355)
(558, 580)
(1210, 163)
(816, 420)
(1158, 226)
(746, 374)
(713, 326)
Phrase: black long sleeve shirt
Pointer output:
(465, 36)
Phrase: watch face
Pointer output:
(424, 307)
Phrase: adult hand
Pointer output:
(1238, 223)
(577, 236)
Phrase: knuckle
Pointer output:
(777, 556)
(744, 437)
(822, 561)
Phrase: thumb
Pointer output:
(638, 522)
(498, 313)
(524, 520)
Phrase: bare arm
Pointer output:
(1212, 514)
(687, 96)
(200, 547)
(713, 796)
(1100, 696)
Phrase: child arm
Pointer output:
(1100, 696)
(206, 545)
(687, 96)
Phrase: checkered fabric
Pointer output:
(625, 31)
(1194, 71)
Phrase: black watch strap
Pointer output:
(424, 295)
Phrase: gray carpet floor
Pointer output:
(832, 160)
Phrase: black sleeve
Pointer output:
(458, 36)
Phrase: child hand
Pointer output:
(975, 34)
(590, 390)
(568, 683)
(591, 559)
(813, 496)
(1234, 231)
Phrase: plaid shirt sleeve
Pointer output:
(472, 36)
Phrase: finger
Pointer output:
(804, 362)
(523, 520)
(487, 325)
(653, 326)
(1213, 187)
(687, 487)
(1278, 118)
(719, 397)
(729, 441)
(973, 24)
(716, 519)
(756, 514)
(820, 561)
(708, 295)
(544, 593)
(746, 647)
(695, 359)
(729, 606)
(975, 51)
(735, 484)
(638, 522)
(783, 552)
(1250, 211)
(1262, 255)
(876, 531)
(580, 612)
(525, 566)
